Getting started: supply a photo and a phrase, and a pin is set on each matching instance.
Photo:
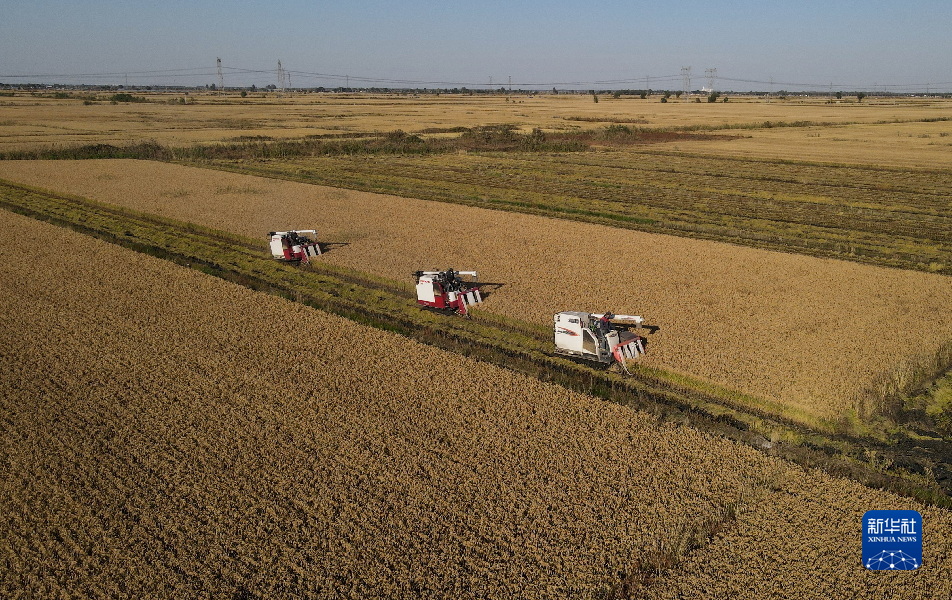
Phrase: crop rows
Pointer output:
(875, 215)
(153, 444)
(608, 178)
(815, 336)
(169, 434)
(803, 543)
(666, 202)
(510, 343)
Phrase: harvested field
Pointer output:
(32, 121)
(895, 217)
(167, 434)
(807, 333)
(914, 145)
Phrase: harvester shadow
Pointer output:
(331, 246)
(645, 328)
(487, 289)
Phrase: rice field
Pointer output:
(899, 144)
(894, 217)
(813, 336)
(792, 546)
(881, 131)
(168, 434)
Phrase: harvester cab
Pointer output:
(594, 337)
(447, 290)
(294, 246)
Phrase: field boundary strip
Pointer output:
(516, 346)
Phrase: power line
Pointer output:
(179, 72)
(209, 72)
(284, 76)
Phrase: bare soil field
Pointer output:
(168, 434)
(809, 335)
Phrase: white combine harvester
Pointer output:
(594, 337)
(294, 246)
(446, 290)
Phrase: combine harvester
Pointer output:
(447, 291)
(294, 246)
(593, 337)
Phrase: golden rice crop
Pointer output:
(167, 434)
(805, 543)
(811, 334)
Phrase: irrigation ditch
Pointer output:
(909, 465)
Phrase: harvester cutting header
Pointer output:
(294, 245)
(447, 290)
(594, 337)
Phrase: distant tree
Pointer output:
(125, 97)
(595, 97)
(243, 93)
(713, 97)
(644, 95)
(677, 94)
(616, 94)
(860, 96)
(839, 95)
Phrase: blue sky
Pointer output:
(849, 43)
